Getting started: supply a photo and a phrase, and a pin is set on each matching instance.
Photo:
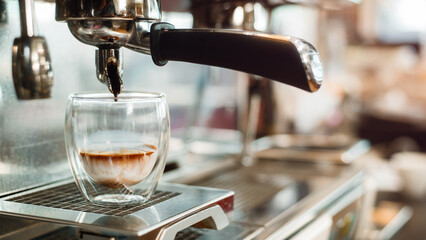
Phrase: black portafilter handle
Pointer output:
(284, 59)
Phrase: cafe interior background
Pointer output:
(374, 57)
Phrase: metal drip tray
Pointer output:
(251, 191)
(68, 197)
(262, 191)
(172, 208)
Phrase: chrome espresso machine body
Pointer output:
(273, 199)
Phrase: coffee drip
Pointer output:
(113, 76)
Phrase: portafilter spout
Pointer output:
(135, 24)
(109, 68)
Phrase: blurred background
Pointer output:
(374, 56)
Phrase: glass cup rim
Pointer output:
(125, 95)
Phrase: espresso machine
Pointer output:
(38, 199)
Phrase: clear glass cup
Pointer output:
(117, 149)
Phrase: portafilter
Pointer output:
(135, 24)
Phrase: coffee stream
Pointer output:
(114, 77)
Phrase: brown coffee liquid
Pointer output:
(121, 168)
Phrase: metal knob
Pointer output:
(31, 64)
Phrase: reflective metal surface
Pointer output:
(110, 24)
(104, 57)
(337, 149)
(312, 63)
(67, 196)
(31, 132)
(32, 148)
(260, 194)
(245, 15)
(102, 32)
(343, 194)
(272, 198)
(32, 70)
(137, 222)
(31, 63)
(82, 9)
(32, 152)
(280, 197)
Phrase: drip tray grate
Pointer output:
(68, 197)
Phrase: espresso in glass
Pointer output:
(117, 149)
(119, 168)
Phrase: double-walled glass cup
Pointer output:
(117, 149)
